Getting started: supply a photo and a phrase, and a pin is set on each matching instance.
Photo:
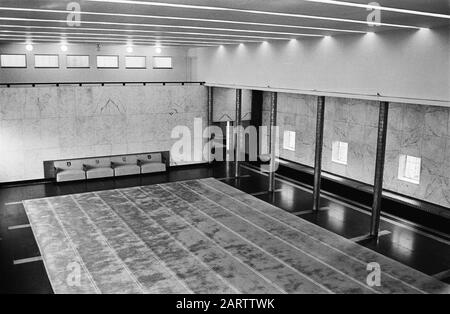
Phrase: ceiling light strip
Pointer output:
(58, 40)
(141, 31)
(247, 11)
(127, 39)
(130, 36)
(382, 8)
(184, 19)
(162, 26)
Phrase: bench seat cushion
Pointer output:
(70, 175)
(126, 170)
(95, 173)
(150, 167)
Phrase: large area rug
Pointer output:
(201, 236)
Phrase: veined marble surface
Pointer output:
(201, 236)
(48, 123)
(225, 104)
(416, 130)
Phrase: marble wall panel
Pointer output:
(225, 104)
(417, 130)
(46, 123)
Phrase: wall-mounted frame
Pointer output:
(162, 62)
(135, 62)
(108, 62)
(13, 60)
(78, 62)
(46, 61)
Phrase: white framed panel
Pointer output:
(13, 61)
(46, 61)
(162, 63)
(77, 61)
(339, 152)
(289, 140)
(409, 169)
(107, 62)
(135, 62)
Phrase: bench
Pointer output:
(107, 167)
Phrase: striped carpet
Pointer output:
(200, 236)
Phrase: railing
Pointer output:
(102, 83)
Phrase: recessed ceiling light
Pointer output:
(125, 41)
(117, 41)
(381, 8)
(63, 48)
(29, 47)
(129, 49)
(158, 50)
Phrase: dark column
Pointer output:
(210, 105)
(272, 139)
(318, 152)
(379, 169)
(210, 114)
(237, 124)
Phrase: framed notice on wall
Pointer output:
(13, 61)
(46, 61)
(107, 62)
(135, 62)
(162, 62)
(77, 61)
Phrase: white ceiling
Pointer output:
(205, 22)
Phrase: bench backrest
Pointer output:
(154, 157)
(98, 162)
(125, 160)
(69, 164)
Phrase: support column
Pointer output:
(210, 117)
(272, 139)
(318, 152)
(237, 129)
(379, 169)
(210, 105)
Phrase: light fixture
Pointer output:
(382, 8)
(251, 39)
(136, 16)
(158, 50)
(253, 31)
(29, 47)
(129, 49)
(63, 48)
(107, 38)
(227, 9)
(97, 41)
(127, 30)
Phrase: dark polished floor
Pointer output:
(414, 248)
